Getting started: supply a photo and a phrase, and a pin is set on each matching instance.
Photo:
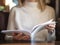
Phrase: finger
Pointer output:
(52, 26)
(49, 28)
(18, 36)
(14, 34)
(26, 37)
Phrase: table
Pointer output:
(29, 44)
(26, 43)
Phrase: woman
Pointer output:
(29, 13)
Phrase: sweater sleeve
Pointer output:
(51, 34)
(11, 24)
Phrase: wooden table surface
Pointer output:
(28, 44)
(25, 43)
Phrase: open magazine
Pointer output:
(35, 29)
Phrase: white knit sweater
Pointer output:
(26, 17)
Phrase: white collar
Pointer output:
(32, 4)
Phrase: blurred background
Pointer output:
(6, 5)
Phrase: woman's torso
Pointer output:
(28, 17)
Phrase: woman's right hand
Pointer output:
(20, 36)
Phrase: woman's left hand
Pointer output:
(50, 27)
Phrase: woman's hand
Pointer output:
(20, 36)
(50, 27)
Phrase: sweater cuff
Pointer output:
(8, 37)
(51, 32)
